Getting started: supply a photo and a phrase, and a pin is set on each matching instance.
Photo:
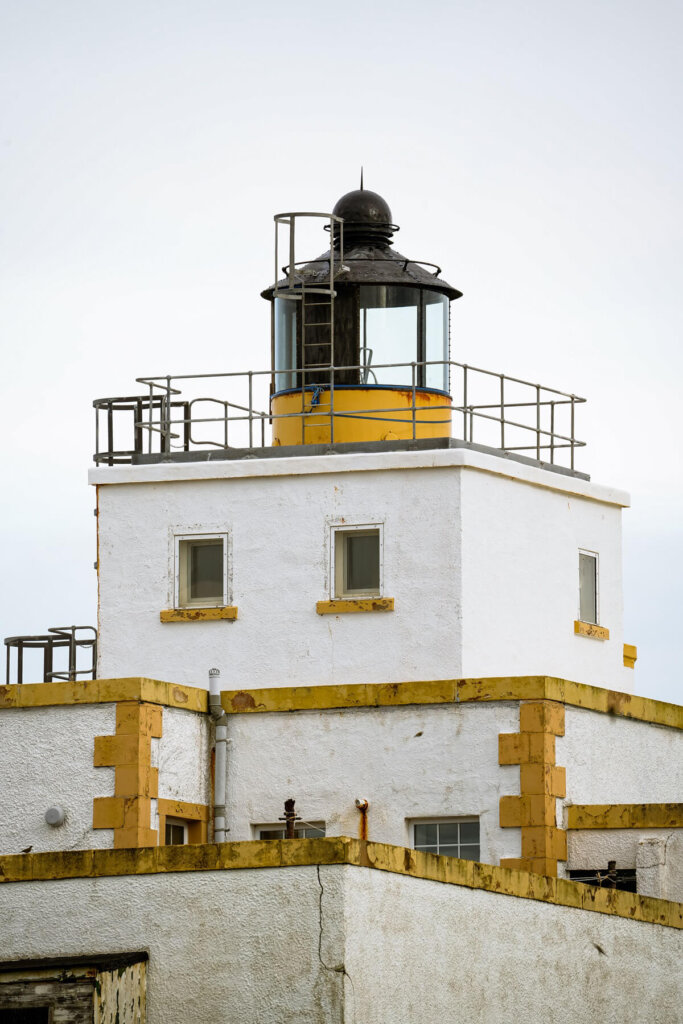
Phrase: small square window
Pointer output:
(357, 562)
(175, 832)
(201, 571)
(448, 838)
(588, 587)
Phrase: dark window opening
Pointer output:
(622, 878)
(32, 1015)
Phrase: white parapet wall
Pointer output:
(410, 763)
(46, 760)
(480, 556)
(343, 944)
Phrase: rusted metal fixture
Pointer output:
(290, 818)
(362, 806)
(609, 880)
(73, 638)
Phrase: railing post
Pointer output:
(332, 399)
(552, 433)
(538, 422)
(251, 409)
(166, 434)
(502, 412)
(413, 367)
(464, 402)
(571, 436)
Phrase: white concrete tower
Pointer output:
(412, 518)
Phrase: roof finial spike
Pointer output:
(361, 177)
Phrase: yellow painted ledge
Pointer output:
(399, 860)
(587, 816)
(453, 691)
(630, 655)
(371, 604)
(228, 612)
(104, 691)
(591, 629)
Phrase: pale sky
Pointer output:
(532, 149)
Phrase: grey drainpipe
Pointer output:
(220, 720)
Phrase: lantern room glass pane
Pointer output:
(285, 343)
(436, 339)
(388, 333)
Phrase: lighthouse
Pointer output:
(360, 741)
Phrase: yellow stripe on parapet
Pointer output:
(452, 691)
(278, 853)
(587, 816)
(104, 691)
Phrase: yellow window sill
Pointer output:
(198, 614)
(591, 629)
(368, 604)
(630, 655)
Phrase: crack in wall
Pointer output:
(338, 968)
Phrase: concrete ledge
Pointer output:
(599, 816)
(343, 607)
(104, 691)
(228, 612)
(591, 629)
(448, 691)
(354, 695)
(39, 867)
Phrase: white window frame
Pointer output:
(280, 827)
(596, 556)
(178, 538)
(337, 590)
(177, 821)
(465, 819)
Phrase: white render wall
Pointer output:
(410, 763)
(480, 555)
(347, 945)
(46, 758)
(615, 760)
(184, 756)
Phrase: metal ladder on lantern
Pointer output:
(318, 295)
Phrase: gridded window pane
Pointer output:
(448, 832)
(449, 838)
(469, 832)
(425, 835)
(588, 588)
(469, 852)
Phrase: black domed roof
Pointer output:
(363, 207)
(366, 215)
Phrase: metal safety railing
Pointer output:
(71, 641)
(482, 407)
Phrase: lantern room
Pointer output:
(360, 335)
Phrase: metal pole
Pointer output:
(332, 402)
(251, 410)
(571, 435)
(414, 398)
(464, 403)
(552, 433)
(167, 417)
(538, 422)
(502, 412)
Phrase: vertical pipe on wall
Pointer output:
(220, 720)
